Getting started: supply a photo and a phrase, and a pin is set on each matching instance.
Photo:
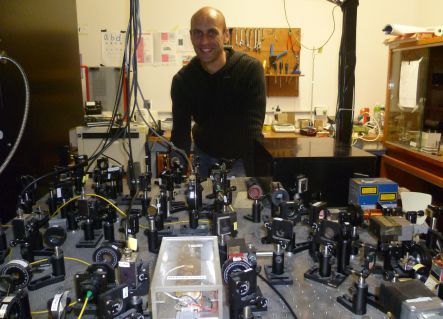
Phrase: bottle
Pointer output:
(379, 115)
(382, 117)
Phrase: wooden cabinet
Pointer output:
(414, 114)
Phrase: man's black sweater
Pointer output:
(228, 107)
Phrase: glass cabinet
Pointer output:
(414, 116)
(407, 96)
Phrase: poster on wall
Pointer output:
(145, 49)
(112, 48)
(184, 46)
(166, 44)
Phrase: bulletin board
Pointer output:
(282, 76)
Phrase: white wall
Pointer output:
(312, 16)
(432, 13)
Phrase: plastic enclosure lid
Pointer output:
(187, 266)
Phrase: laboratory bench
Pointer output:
(307, 298)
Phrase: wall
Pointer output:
(431, 13)
(312, 16)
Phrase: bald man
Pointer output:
(223, 92)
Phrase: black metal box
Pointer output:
(327, 166)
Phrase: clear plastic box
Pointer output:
(187, 279)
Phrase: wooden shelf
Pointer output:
(434, 160)
(282, 84)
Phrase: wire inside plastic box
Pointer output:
(187, 279)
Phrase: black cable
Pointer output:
(149, 111)
(117, 101)
(54, 173)
(278, 294)
(134, 22)
(112, 159)
(106, 142)
(329, 38)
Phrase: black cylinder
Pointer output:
(360, 299)
(431, 238)
(64, 211)
(159, 222)
(88, 230)
(193, 219)
(324, 265)
(27, 252)
(108, 231)
(36, 240)
(58, 265)
(411, 217)
(134, 224)
(163, 205)
(199, 194)
(387, 266)
(256, 211)
(354, 238)
(440, 290)
(112, 190)
(145, 203)
(152, 240)
(3, 241)
(52, 202)
(136, 303)
(72, 222)
(278, 262)
(314, 250)
(223, 253)
(97, 222)
(343, 255)
(228, 191)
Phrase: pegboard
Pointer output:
(256, 42)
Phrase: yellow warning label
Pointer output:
(417, 267)
(388, 196)
(369, 190)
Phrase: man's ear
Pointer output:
(226, 36)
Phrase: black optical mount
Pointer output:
(79, 171)
(26, 230)
(244, 292)
(155, 234)
(221, 183)
(282, 234)
(277, 195)
(291, 246)
(357, 302)
(255, 216)
(27, 199)
(54, 237)
(108, 181)
(145, 186)
(4, 248)
(434, 236)
(60, 191)
(92, 224)
(333, 238)
(167, 181)
(194, 203)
